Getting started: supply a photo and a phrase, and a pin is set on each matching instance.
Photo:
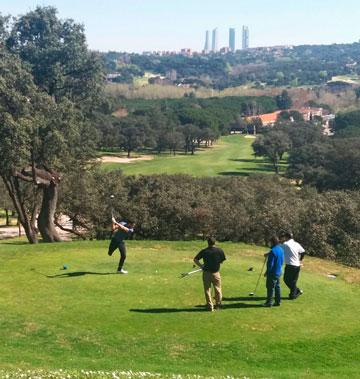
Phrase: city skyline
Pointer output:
(139, 25)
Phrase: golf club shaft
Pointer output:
(184, 274)
(193, 272)
(258, 281)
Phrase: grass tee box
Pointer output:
(89, 318)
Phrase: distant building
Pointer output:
(232, 39)
(172, 75)
(224, 50)
(267, 119)
(308, 112)
(160, 80)
(186, 51)
(245, 37)
(207, 42)
(215, 40)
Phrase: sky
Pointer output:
(148, 25)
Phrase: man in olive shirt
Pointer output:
(212, 257)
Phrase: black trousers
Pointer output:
(291, 276)
(114, 244)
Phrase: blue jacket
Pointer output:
(275, 261)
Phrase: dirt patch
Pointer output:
(8, 232)
(121, 113)
(113, 159)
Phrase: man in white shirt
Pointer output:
(294, 254)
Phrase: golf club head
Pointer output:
(183, 274)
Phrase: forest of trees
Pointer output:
(327, 163)
(177, 124)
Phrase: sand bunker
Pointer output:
(113, 159)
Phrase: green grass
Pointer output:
(232, 155)
(89, 318)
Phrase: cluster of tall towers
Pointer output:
(232, 40)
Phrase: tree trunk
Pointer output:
(7, 217)
(13, 187)
(276, 164)
(46, 216)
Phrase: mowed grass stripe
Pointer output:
(87, 317)
(232, 155)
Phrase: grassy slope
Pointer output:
(233, 155)
(88, 317)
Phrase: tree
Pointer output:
(329, 165)
(174, 140)
(357, 93)
(273, 145)
(131, 135)
(56, 51)
(345, 120)
(44, 126)
(254, 125)
(191, 133)
(283, 100)
(4, 27)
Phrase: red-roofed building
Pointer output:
(267, 119)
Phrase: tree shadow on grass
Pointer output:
(248, 160)
(8, 241)
(233, 173)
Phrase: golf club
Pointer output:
(112, 205)
(257, 283)
(189, 273)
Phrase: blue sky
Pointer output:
(138, 25)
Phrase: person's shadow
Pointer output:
(73, 274)
(78, 273)
(244, 298)
(198, 308)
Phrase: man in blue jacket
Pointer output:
(275, 260)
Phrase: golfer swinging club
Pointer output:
(212, 257)
(122, 231)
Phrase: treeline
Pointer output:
(175, 124)
(325, 162)
(237, 209)
(298, 65)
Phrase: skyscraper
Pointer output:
(245, 37)
(207, 42)
(232, 39)
(214, 46)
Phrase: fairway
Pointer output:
(88, 317)
(231, 155)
